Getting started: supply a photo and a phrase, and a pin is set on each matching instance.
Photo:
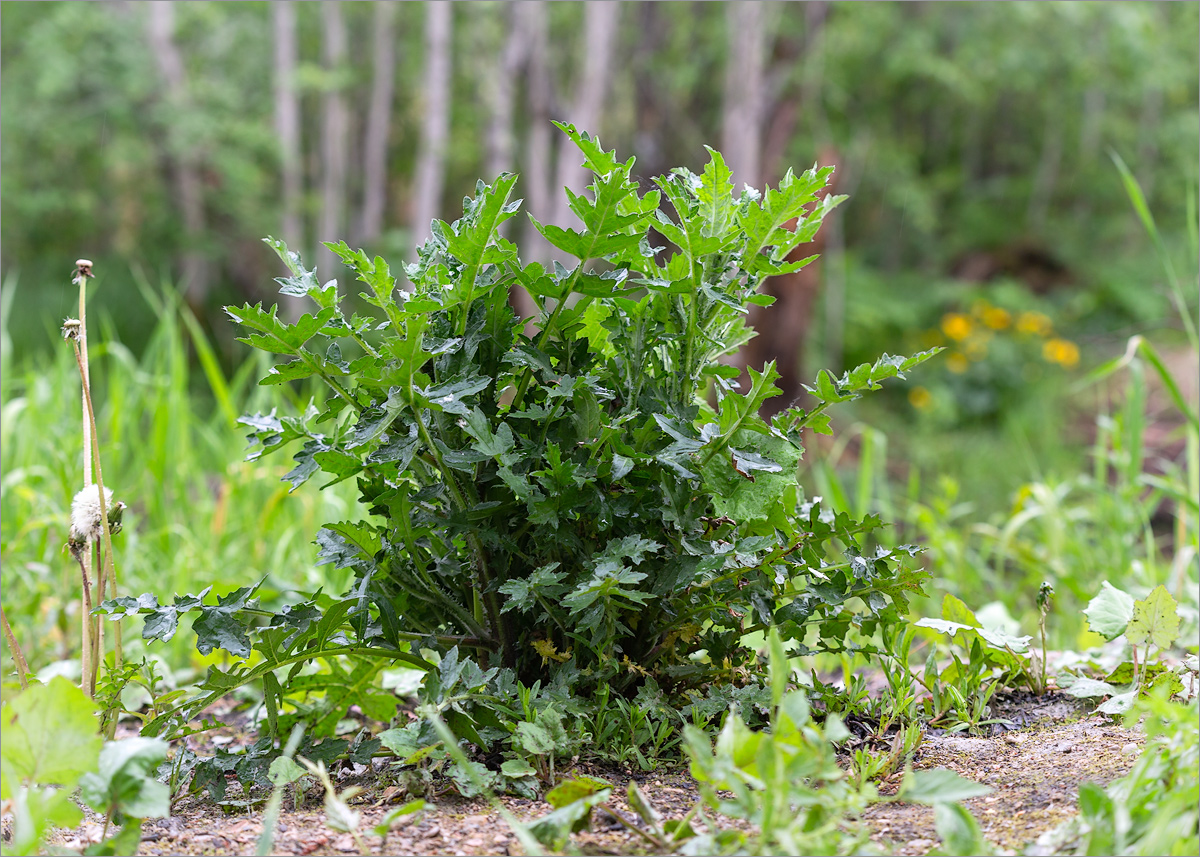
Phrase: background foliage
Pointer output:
(957, 128)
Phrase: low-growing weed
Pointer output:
(50, 744)
(1149, 624)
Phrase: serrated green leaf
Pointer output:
(1155, 620)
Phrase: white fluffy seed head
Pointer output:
(86, 522)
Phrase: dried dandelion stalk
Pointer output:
(97, 528)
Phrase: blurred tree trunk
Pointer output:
(335, 133)
(599, 42)
(741, 122)
(379, 123)
(761, 110)
(538, 163)
(185, 161)
(654, 111)
(500, 143)
(501, 85)
(1046, 176)
(287, 129)
(435, 127)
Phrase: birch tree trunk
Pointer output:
(741, 125)
(287, 129)
(379, 123)
(600, 20)
(538, 164)
(184, 159)
(334, 139)
(435, 127)
(501, 85)
(500, 144)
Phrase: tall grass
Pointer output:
(198, 513)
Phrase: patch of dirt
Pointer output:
(1035, 772)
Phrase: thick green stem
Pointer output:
(547, 329)
(482, 577)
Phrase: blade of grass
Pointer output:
(1138, 199)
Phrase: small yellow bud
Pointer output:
(957, 363)
(920, 398)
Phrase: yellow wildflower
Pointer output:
(957, 363)
(996, 318)
(1061, 351)
(956, 325)
(1034, 322)
(920, 398)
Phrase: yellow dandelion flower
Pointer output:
(958, 363)
(996, 318)
(956, 326)
(920, 398)
(1061, 351)
(1034, 322)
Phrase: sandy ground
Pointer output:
(1035, 771)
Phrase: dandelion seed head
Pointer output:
(70, 329)
(86, 521)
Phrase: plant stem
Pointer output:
(109, 570)
(97, 626)
(1042, 628)
(17, 655)
(547, 328)
(87, 679)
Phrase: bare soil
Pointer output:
(1035, 771)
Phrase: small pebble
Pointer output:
(1065, 747)
(1130, 749)
(921, 844)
